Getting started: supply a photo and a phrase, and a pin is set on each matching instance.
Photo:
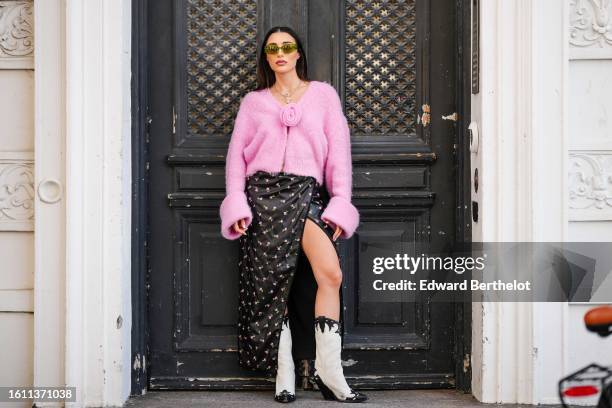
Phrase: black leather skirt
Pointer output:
(275, 274)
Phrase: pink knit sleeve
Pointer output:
(338, 169)
(235, 205)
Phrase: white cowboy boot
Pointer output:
(329, 375)
(285, 375)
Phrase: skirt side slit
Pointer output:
(271, 261)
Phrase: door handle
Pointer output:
(453, 116)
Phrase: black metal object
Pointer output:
(412, 181)
(463, 224)
(140, 196)
(475, 46)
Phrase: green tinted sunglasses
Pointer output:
(287, 48)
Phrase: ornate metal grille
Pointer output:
(381, 66)
(221, 61)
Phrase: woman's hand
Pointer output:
(239, 226)
(337, 232)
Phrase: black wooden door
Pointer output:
(394, 65)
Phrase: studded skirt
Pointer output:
(275, 275)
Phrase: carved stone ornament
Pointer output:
(590, 185)
(591, 23)
(16, 193)
(16, 35)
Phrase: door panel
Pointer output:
(380, 56)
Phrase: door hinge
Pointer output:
(173, 121)
(425, 117)
(148, 121)
(453, 116)
(467, 362)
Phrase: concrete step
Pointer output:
(256, 399)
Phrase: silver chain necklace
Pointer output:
(287, 95)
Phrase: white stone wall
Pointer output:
(518, 349)
(590, 154)
(16, 193)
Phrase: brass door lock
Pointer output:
(425, 117)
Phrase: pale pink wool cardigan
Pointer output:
(314, 135)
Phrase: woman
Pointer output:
(288, 193)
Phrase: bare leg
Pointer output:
(329, 374)
(326, 269)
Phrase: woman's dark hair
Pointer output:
(265, 75)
